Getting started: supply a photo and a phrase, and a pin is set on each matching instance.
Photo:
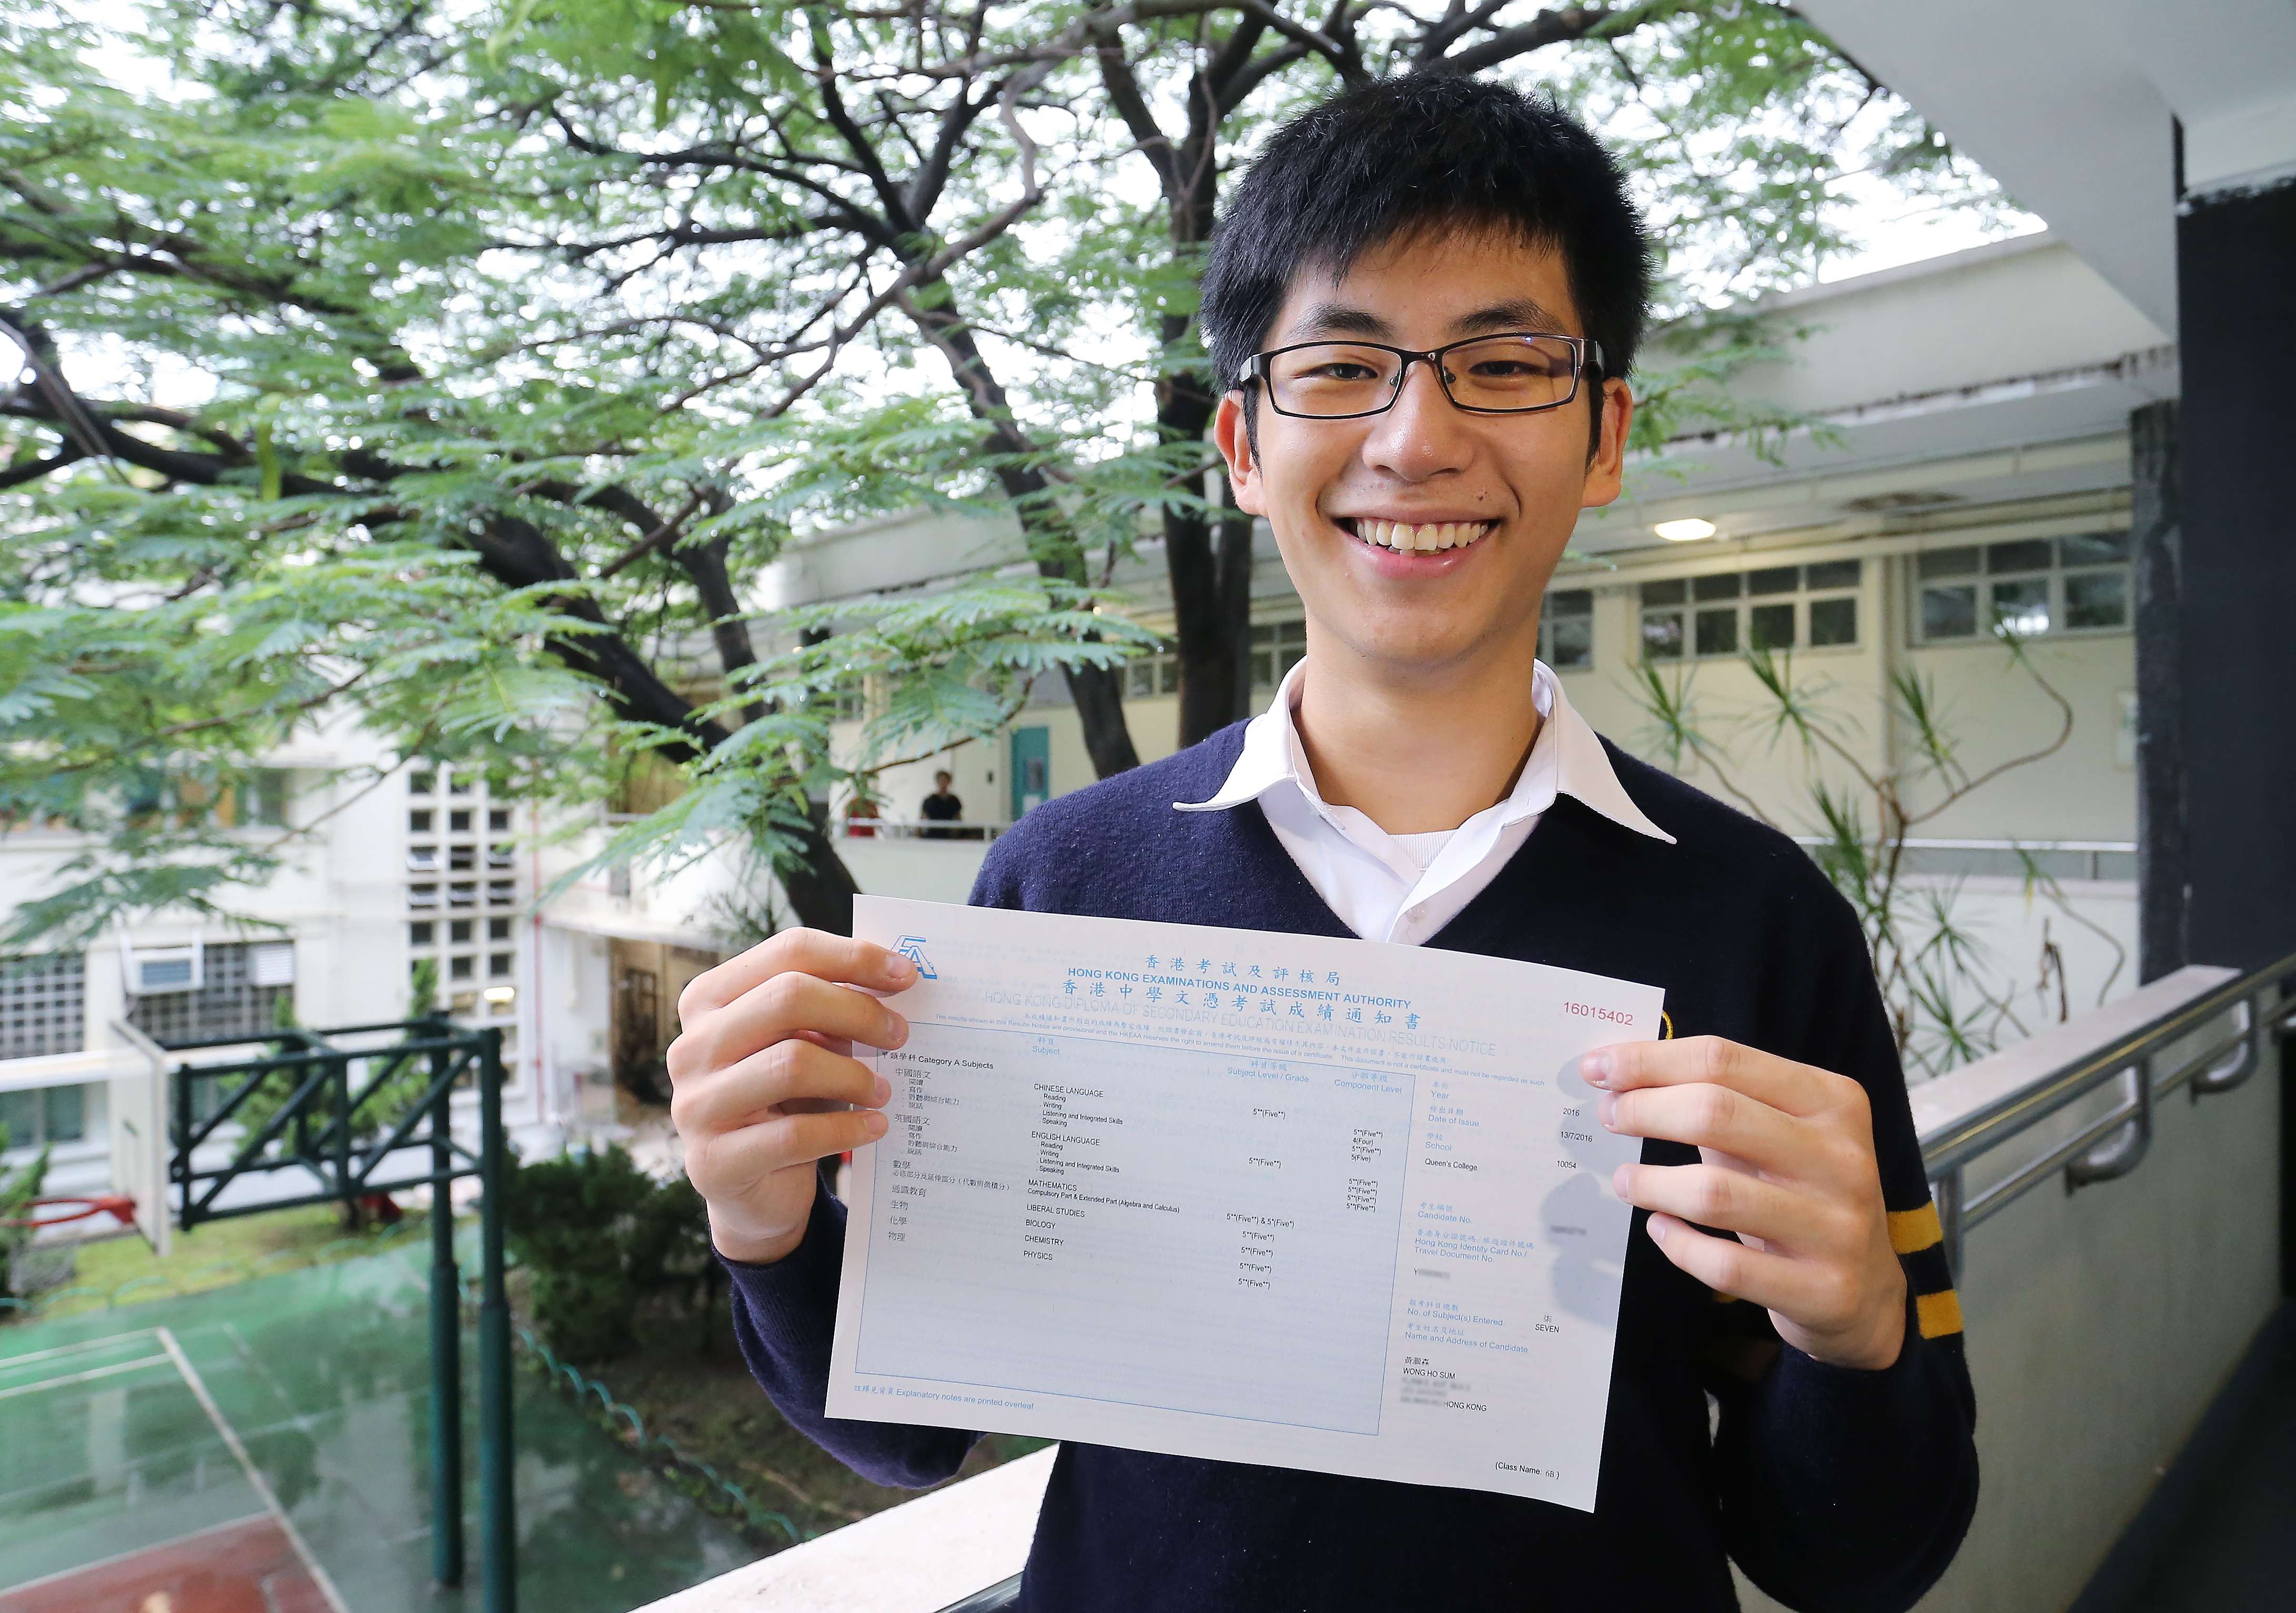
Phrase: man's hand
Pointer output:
(762, 1070)
(1787, 1163)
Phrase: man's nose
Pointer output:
(1422, 434)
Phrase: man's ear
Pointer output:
(1232, 436)
(1606, 471)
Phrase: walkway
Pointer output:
(267, 1446)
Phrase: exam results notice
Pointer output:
(1307, 1202)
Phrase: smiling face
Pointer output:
(1421, 540)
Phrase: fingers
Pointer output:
(781, 1006)
(1705, 1116)
(1798, 1089)
(1712, 1195)
(730, 1165)
(1728, 1266)
(809, 952)
(795, 1070)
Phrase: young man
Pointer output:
(1423, 300)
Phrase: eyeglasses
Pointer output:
(1520, 373)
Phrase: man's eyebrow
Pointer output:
(1338, 319)
(1515, 314)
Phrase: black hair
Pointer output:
(1425, 153)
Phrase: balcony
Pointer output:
(2106, 1189)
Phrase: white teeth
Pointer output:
(1428, 539)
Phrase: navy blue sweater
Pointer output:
(1833, 1489)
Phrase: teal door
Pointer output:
(1032, 768)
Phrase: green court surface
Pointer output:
(293, 1414)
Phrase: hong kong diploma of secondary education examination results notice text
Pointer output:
(1327, 1203)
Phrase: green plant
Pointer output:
(18, 1187)
(606, 1248)
(1946, 1004)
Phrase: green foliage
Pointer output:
(19, 1187)
(605, 1246)
(450, 370)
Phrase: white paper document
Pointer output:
(1327, 1203)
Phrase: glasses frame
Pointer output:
(1585, 356)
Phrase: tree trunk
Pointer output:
(1096, 692)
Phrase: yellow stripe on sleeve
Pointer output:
(1915, 1230)
(1938, 1314)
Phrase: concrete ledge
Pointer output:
(916, 1558)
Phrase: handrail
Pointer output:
(2116, 1143)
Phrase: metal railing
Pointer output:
(2113, 1144)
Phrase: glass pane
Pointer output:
(2094, 549)
(1570, 601)
(1723, 585)
(2028, 554)
(418, 822)
(497, 929)
(1264, 633)
(1833, 621)
(419, 934)
(1718, 632)
(19, 1117)
(1949, 612)
(459, 969)
(1777, 579)
(1836, 574)
(2096, 599)
(498, 964)
(1291, 633)
(458, 823)
(1168, 674)
(499, 817)
(1670, 592)
(2023, 607)
(67, 1108)
(1770, 626)
(1663, 635)
(1140, 679)
(1573, 643)
(1290, 657)
(458, 930)
(1263, 670)
(422, 784)
(1948, 562)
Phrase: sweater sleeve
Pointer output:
(1847, 1491)
(784, 1317)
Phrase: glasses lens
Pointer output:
(1332, 378)
(1511, 373)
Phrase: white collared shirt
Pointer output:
(1406, 887)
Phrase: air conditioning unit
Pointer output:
(160, 972)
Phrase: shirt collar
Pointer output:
(1567, 758)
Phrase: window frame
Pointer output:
(1981, 580)
(1699, 599)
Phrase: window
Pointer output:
(480, 893)
(42, 1004)
(240, 994)
(1727, 613)
(42, 1116)
(2026, 587)
(1277, 648)
(1566, 630)
(848, 702)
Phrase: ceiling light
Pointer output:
(1684, 531)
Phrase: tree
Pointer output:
(445, 367)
